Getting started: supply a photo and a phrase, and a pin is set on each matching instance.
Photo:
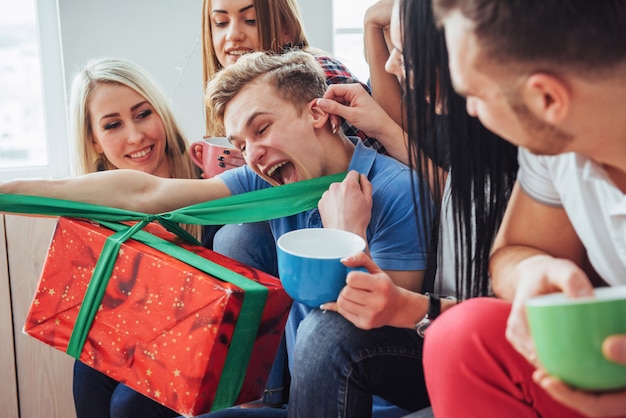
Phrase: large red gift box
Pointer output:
(164, 328)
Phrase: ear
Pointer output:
(96, 146)
(319, 117)
(548, 97)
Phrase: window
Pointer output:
(32, 141)
(348, 34)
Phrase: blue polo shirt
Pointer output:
(394, 241)
(392, 235)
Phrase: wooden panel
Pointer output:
(44, 374)
(8, 382)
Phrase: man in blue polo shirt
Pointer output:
(265, 96)
(268, 105)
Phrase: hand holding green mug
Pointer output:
(570, 335)
(614, 348)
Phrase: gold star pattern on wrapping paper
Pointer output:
(153, 301)
(65, 293)
(57, 322)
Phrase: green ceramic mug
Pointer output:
(568, 335)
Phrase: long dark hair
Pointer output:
(481, 165)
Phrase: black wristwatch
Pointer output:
(434, 309)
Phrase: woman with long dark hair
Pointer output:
(471, 173)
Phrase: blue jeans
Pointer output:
(234, 412)
(98, 396)
(337, 367)
(252, 244)
(274, 390)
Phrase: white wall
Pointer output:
(318, 22)
(163, 36)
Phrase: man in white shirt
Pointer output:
(551, 78)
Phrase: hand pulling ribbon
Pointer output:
(260, 205)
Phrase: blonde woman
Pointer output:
(120, 119)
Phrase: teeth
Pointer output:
(238, 52)
(141, 153)
(272, 169)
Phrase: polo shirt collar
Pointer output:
(362, 159)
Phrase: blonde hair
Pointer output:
(295, 75)
(123, 72)
(274, 19)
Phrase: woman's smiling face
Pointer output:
(127, 129)
(233, 29)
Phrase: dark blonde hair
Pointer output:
(274, 19)
(558, 36)
(295, 75)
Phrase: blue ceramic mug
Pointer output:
(309, 263)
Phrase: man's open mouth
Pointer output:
(282, 173)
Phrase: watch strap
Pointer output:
(434, 309)
(434, 306)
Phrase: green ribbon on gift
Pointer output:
(248, 321)
(260, 205)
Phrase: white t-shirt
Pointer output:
(445, 278)
(595, 206)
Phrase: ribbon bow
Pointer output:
(260, 205)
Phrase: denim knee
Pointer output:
(252, 244)
(337, 367)
(127, 403)
(324, 344)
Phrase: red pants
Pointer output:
(472, 371)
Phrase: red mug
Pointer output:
(218, 155)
